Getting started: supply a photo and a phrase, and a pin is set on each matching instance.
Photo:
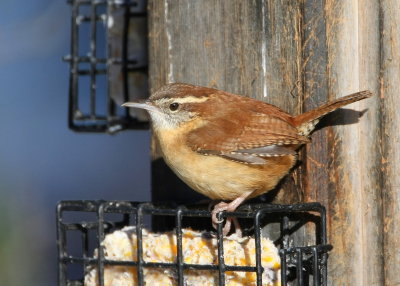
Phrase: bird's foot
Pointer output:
(220, 207)
(232, 206)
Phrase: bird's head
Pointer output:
(176, 104)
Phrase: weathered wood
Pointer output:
(390, 80)
(298, 55)
(315, 156)
(370, 134)
(315, 85)
(341, 55)
(354, 202)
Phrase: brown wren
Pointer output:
(226, 146)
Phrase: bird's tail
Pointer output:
(306, 122)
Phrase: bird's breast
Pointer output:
(217, 177)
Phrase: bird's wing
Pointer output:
(246, 137)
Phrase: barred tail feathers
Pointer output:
(306, 122)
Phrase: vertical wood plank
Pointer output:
(369, 128)
(245, 47)
(281, 67)
(158, 40)
(315, 156)
(315, 85)
(390, 79)
(344, 220)
(354, 199)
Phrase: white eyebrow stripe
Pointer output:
(191, 99)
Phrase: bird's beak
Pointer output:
(145, 104)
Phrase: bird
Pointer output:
(226, 146)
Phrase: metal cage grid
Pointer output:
(304, 265)
(95, 65)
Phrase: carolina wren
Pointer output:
(227, 146)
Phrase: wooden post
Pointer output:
(390, 82)
(298, 55)
(341, 55)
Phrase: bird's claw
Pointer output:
(215, 220)
(220, 207)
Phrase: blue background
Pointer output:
(41, 160)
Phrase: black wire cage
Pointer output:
(108, 64)
(83, 225)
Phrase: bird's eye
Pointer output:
(174, 106)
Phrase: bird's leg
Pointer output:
(238, 229)
(230, 207)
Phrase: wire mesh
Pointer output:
(92, 108)
(92, 220)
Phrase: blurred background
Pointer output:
(41, 160)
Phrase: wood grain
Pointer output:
(298, 55)
(315, 85)
(354, 183)
(390, 82)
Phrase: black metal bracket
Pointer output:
(302, 265)
(94, 110)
